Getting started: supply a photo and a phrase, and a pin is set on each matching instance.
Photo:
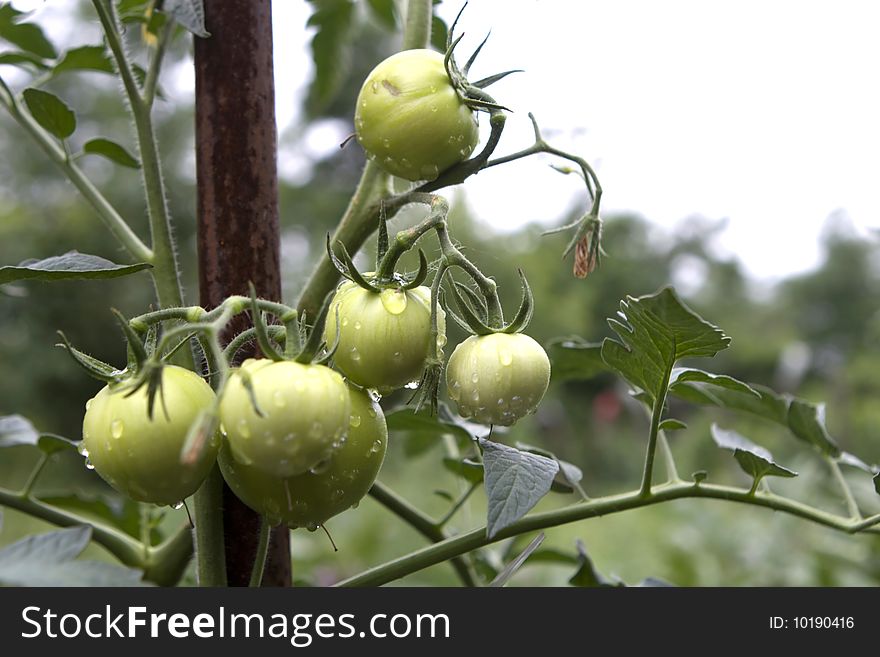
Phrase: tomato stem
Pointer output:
(262, 551)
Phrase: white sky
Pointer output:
(766, 113)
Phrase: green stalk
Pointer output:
(262, 552)
(656, 417)
(477, 538)
(422, 523)
(417, 31)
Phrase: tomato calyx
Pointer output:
(471, 93)
(384, 278)
(474, 315)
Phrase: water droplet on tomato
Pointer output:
(475, 377)
(412, 385)
(475, 397)
(429, 171)
(312, 526)
(355, 505)
(82, 450)
(177, 506)
(396, 356)
(337, 495)
(394, 301)
(374, 394)
(355, 420)
(505, 356)
(89, 464)
(355, 354)
(357, 326)
(345, 321)
(244, 429)
(116, 429)
(433, 108)
(386, 143)
(278, 399)
(377, 445)
(441, 341)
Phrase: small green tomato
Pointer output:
(310, 499)
(497, 378)
(410, 119)
(305, 415)
(384, 338)
(139, 456)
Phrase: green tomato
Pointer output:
(310, 499)
(384, 338)
(497, 378)
(410, 119)
(139, 456)
(305, 415)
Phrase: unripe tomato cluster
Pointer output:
(300, 442)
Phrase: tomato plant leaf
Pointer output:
(655, 332)
(330, 49)
(504, 576)
(568, 479)
(27, 36)
(671, 424)
(682, 374)
(85, 58)
(188, 13)
(587, 575)
(119, 512)
(50, 443)
(854, 461)
(515, 482)
(50, 112)
(436, 426)
(384, 11)
(71, 265)
(22, 60)
(17, 430)
(112, 151)
(574, 358)
(465, 468)
(805, 420)
(754, 460)
(439, 30)
(49, 560)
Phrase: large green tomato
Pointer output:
(384, 338)
(410, 119)
(310, 499)
(305, 415)
(139, 456)
(497, 378)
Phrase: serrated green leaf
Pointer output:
(27, 36)
(574, 359)
(121, 512)
(330, 49)
(48, 560)
(188, 13)
(384, 11)
(510, 569)
(112, 151)
(71, 265)
(467, 469)
(671, 424)
(655, 332)
(807, 422)
(22, 60)
(754, 460)
(682, 374)
(85, 58)
(768, 404)
(17, 430)
(515, 482)
(50, 112)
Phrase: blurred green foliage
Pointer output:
(814, 334)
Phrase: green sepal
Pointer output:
(259, 319)
(95, 368)
(249, 389)
(473, 57)
(420, 275)
(477, 301)
(315, 336)
(526, 308)
(382, 239)
(345, 266)
(492, 79)
(468, 319)
(137, 351)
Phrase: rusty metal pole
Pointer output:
(238, 233)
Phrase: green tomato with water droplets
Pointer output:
(310, 499)
(385, 337)
(410, 119)
(293, 417)
(497, 378)
(140, 456)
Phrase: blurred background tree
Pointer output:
(814, 334)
